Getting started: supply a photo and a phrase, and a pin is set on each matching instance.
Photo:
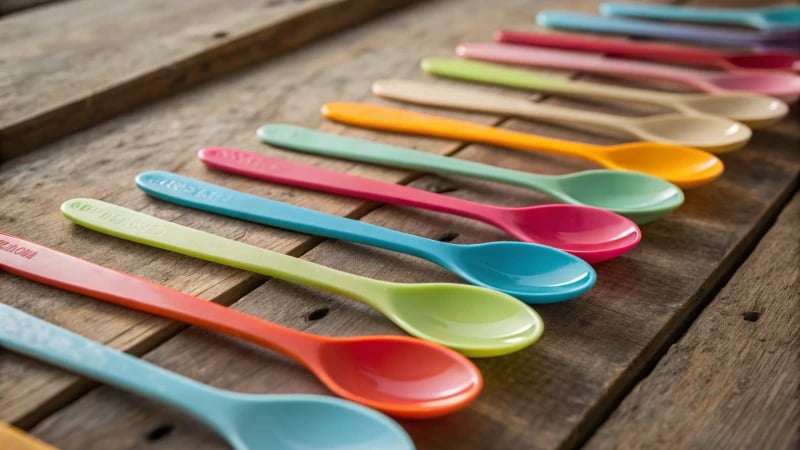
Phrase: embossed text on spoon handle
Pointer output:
(138, 227)
(23, 333)
(71, 273)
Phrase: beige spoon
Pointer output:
(753, 110)
(713, 133)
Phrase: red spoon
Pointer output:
(401, 376)
(593, 234)
(653, 51)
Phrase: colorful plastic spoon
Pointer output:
(780, 40)
(593, 234)
(439, 381)
(683, 54)
(763, 18)
(15, 439)
(640, 197)
(711, 133)
(246, 421)
(539, 274)
(754, 110)
(781, 84)
(472, 320)
(685, 166)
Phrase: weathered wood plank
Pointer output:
(76, 63)
(102, 162)
(9, 6)
(731, 381)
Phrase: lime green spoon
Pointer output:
(472, 320)
(637, 196)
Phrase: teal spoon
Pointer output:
(246, 421)
(472, 320)
(533, 273)
(637, 196)
(779, 17)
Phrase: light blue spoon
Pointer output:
(765, 18)
(247, 421)
(531, 272)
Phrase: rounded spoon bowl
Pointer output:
(715, 134)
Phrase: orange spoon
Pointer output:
(401, 376)
(14, 439)
(684, 166)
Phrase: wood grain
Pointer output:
(77, 63)
(9, 6)
(731, 381)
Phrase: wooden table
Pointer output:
(689, 341)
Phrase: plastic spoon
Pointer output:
(712, 133)
(439, 381)
(17, 439)
(593, 234)
(640, 197)
(532, 273)
(472, 320)
(763, 18)
(648, 50)
(780, 40)
(685, 166)
(246, 421)
(782, 84)
(754, 110)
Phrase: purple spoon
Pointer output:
(774, 40)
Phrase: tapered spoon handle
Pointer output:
(51, 267)
(735, 16)
(17, 439)
(28, 335)
(228, 202)
(138, 227)
(616, 47)
(256, 165)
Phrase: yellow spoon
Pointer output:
(684, 166)
(14, 439)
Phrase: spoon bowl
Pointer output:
(126, 224)
(246, 421)
(418, 380)
(592, 234)
(635, 195)
(711, 133)
(765, 61)
(689, 168)
(754, 110)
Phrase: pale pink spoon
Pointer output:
(654, 51)
(593, 234)
(782, 84)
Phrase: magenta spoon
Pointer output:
(653, 51)
(592, 234)
(782, 84)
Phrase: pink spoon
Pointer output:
(783, 84)
(659, 52)
(593, 234)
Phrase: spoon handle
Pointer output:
(475, 100)
(256, 165)
(616, 47)
(734, 16)
(589, 62)
(497, 74)
(213, 198)
(326, 144)
(138, 227)
(402, 121)
(51, 267)
(25, 334)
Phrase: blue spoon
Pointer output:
(766, 18)
(247, 421)
(533, 273)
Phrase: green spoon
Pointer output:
(472, 320)
(638, 196)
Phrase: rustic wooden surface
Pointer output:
(552, 395)
(73, 64)
(740, 356)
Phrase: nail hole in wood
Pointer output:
(160, 432)
(318, 314)
(220, 34)
(751, 316)
(439, 187)
(447, 236)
